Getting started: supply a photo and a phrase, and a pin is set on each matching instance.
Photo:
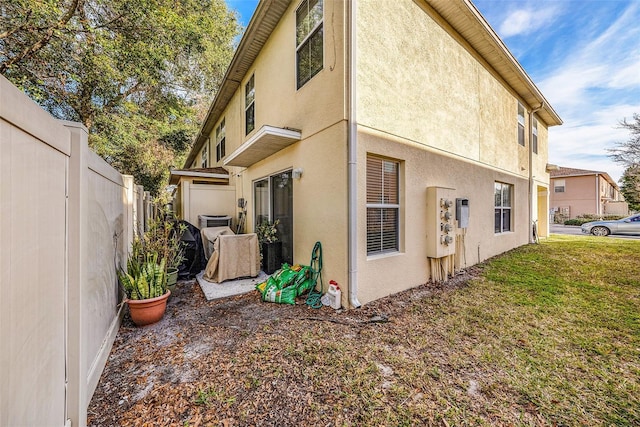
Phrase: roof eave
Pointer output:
(264, 20)
(495, 53)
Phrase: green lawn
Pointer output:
(549, 334)
(559, 325)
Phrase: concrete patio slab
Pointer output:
(229, 287)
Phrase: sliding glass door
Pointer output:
(273, 198)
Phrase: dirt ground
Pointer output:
(239, 361)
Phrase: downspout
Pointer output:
(352, 149)
(535, 110)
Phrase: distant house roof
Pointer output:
(219, 173)
(569, 172)
(462, 15)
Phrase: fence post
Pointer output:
(130, 189)
(77, 275)
(139, 206)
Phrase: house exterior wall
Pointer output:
(579, 195)
(318, 110)
(448, 88)
(193, 200)
(317, 105)
(450, 122)
(587, 195)
(379, 276)
(319, 198)
(425, 98)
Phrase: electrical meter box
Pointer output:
(462, 212)
(441, 213)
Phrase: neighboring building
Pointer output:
(200, 190)
(576, 192)
(354, 122)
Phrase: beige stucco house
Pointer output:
(368, 125)
(576, 192)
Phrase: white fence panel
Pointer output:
(33, 178)
(64, 229)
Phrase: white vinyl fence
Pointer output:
(66, 223)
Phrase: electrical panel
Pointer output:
(441, 213)
(462, 212)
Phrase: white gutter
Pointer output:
(531, 172)
(200, 174)
(352, 150)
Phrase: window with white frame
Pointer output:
(249, 105)
(309, 40)
(383, 205)
(558, 185)
(204, 157)
(534, 140)
(520, 124)
(503, 194)
(220, 140)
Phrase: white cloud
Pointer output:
(628, 76)
(526, 21)
(593, 88)
(583, 140)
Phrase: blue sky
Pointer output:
(584, 55)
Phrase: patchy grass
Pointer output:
(546, 334)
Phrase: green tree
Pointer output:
(627, 153)
(137, 74)
(630, 187)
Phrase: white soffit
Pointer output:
(267, 140)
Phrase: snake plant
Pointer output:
(145, 277)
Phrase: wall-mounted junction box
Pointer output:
(462, 212)
(441, 214)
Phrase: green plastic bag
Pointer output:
(287, 284)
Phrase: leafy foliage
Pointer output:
(267, 232)
(144, 278)
(630, 187)
(137, 74)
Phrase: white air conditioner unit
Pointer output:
(205, 221)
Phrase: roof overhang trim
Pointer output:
(265, 142)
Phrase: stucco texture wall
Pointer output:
(318, 104)
(438, 92)
(319, 198)
(579, 195)
(379, 276)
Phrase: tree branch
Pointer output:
(9, 33)
(34, 48)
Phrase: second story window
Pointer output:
(520, 124)
(220, 141)
(205, 155)
(249, 106)
(558, 185)
(309, 43)
(534, 141)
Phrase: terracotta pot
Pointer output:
(147, 311)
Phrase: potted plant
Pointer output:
(175, 257)
(163, 238)
(145, 285)
(270, 246)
